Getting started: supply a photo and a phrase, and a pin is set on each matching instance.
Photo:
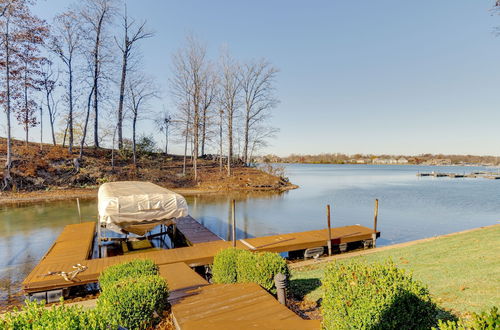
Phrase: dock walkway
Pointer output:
(194, 232)
(235, 306)
(197, 255)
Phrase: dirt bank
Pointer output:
(46, 173)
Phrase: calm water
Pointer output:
(410, 208)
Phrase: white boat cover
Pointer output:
(137, 207)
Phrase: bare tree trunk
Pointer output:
(70, 119)
(96, 82)
(220, 141)
(84, 133)
(134, 150)
(196, 139)
(26, 114)
(65, 134)
(185, 148)
(122, 97)
(8, 161)
(246, 133)
(204, 131)
(41, 128)
(51, 119)
(166, 140)
(230, 144)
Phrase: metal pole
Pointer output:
(375, 218)
(329, 230)
(79, 211)
(233, 218)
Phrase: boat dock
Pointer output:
(46, 275)
(193, 232)
(485, 175)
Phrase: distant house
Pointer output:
(402, 160)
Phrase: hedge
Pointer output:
(131, 269)
(489, 320)
(134, 303)
(242, 266)
(132, 297)
(35, 315)
(374, 296)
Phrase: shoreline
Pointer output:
(64, 194)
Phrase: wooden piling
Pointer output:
(329, 230)
(233, 218)
(375, 218)
(79, 211)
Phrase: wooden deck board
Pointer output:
(179, 276)
(253, 325)
(194, 232)
(219, 303)
(196, 255)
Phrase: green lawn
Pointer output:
(461, 271)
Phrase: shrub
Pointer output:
(374, 296)
(242, 266)
(134, 302)
(224, 266)
(485, 320)
(134, 268)
(268, 265)
(246, 267)
(36, 316)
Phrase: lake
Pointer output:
(409, 208)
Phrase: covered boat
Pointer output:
(137, 207)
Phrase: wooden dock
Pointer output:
(485, 175)
(42, 279)
(194, 232)
(235, 306)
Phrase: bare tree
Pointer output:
(208, 98)
(140, 90)
(190, 72)
(97, 15)
(65, 44)
(164, 124)
(257, 80)
(229, 102)
(133, 32)
(49, 80)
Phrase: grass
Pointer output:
(462, 271)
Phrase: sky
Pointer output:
(385, 76)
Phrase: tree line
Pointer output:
(80, 69)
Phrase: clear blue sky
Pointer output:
(385, 76)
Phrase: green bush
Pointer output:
(36, 316)
(268, 265)
(134, 302)
(242, 266)
(246, 267)
(134, 268)
(489, 320)
(224, 266)
(374, 296)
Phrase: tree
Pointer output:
(140, 91)
(229, 101)
(133, 33)
(97, 15)
(33, 36)
(49, 85)
(208, 97)
(12, 14)
(256, 79)
(65, 44)
(164, 125)
(190, 74)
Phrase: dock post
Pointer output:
(375, 218)
(280, 283)
(329, 230)
(79, 212)
(233, 219)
